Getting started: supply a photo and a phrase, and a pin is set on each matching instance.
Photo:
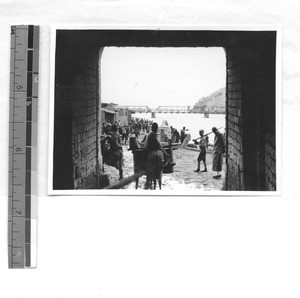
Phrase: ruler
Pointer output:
(23, 108)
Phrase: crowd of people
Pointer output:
(117, 135)
(135, 127)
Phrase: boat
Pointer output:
(164, 130)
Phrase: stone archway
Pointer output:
(250, 101)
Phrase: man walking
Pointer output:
(182, 135)
(203, 142)
(218, 151)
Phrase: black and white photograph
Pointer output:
(175, 110)
(149, 149)
(181, 111)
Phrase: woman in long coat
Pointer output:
(218, 151)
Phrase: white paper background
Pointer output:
(158, 247)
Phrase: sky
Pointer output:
(136, 76)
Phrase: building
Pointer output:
(108, 113)
(124, 115)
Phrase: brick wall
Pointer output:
(250, 119)
(235, 170)
(270, 157)
(79, 80)
(86, 122)
(269, 145)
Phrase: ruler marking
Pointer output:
(28, 150)
(28, 158)
(28, 133)
(30, 37)
(14, 184)
(29, 84)
(28, 183)
(30, 60)
(29, 109)
(12, 203)
(23, 79)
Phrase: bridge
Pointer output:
(175, 109)
(137, 109)
(160, 109)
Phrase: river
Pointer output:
(192, 122)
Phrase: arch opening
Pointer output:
(250, 101)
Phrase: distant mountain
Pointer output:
(216, 99)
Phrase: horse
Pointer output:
(155, 163)
(152, 164)
(112, 158)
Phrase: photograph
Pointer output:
(174, 110)
(148, 149)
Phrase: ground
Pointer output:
(183, 176)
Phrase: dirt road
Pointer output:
(182, 179)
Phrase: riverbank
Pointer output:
(182, 179)
(192, 122)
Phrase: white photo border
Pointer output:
(168, 193)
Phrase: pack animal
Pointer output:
(112, 158)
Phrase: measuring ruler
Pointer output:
(23, 107)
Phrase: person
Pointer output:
(152, 144)
(203, 143)
(182, 135)
(157, 158)
(108, 128)
(124, 135)
(218, 151)
(113, 153)
(136, 131)
(186, 139)
(177, 136)
(114, 140)
(120, 130)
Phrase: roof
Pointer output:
(108, 111)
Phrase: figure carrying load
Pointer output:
(203, 143)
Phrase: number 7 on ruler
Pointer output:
(23, 107)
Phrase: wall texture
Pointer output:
(234, 133)
(251, 114)
(77, 76)
(85, 122)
